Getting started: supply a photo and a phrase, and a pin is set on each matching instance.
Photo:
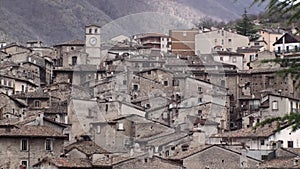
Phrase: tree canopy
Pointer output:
(246, 27)
(282, 7)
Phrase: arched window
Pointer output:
(74, 60)
(37, 103)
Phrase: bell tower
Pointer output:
(93, 44)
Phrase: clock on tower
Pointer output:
(93, 44)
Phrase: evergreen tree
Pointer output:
(246, 27)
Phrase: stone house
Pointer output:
(207, 110)
(66, 53)
(15, 49)
(261, 56)
(124, 133)
(81, 113)
(249, 55)
(214, 156)
(219, 40)
(35, 100)
(83, 149)
(11, 107)
(270, 105)
(26, 145)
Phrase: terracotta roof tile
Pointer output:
(29, 131)
(86, 147)
(266, 131)
(67, 162)
(281, 163)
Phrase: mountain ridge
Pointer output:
(61, 20)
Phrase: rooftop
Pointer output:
(86, 147)
(29, 131)
(265, 131)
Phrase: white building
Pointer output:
(219, 40)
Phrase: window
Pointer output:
(223, 83)
(278, 49)
(251, 57)
(256, 43)
(121, 126)
(48, 145)
(165, 83)
(262, 142)
(199, 112)
(96, 30)
(24, 145)
(229, 40)
(287, 49)
(74, 60)
(290, 144)
(274, 105)
(233, 59)
(135, 87)
(222, 41)
(199, 100)
(98, 129)
(90, 31)
(124, 82)
(37, 103)
(23, 164)
(200, 89)
(72, 48)
(176, 82)
(221, 58)
(296, 48)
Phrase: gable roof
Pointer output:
(66, 162)
(193, 151)
(86, 147)
(30, 131)
(289, 38)
(281, 163)
(260, 132)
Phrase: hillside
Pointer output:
(54, 21)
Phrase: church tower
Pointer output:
(93, 44)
